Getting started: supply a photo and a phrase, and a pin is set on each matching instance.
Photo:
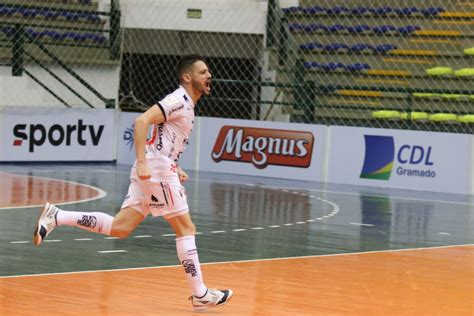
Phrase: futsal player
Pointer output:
(155, 181)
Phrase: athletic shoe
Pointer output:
(46, 223)
(212, 298)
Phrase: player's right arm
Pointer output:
(154, 115)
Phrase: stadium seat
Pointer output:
(384, 48)
(359, 28)
(439, 71)
(384, 29)
(360, 11)
(357, 67)
(314, 10)
(381, 11)
(409, 29)
(452, 96)
(337, 11)
(406, 11)
(386, 114)
(443, 117)
(415, 116)
(432, 11)
(291, 10)
(469, 51)
(336, 28)
(468, 118)
(360, 48)
(422, 95)
(465, 72)
(336, 47)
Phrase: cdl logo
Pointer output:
(414, 160)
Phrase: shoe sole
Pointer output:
(201, 309)
(37, 240)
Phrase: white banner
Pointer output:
(54, 134)
(269, 149)
(401, 159)
(126, 148)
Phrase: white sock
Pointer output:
(91, 221)
(188, 256)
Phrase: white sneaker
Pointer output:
(212, 298)
(46, 223)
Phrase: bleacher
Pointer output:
(377, 62)
(75, 30)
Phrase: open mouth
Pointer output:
(207, 84)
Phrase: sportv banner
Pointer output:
(401, 159)
(270, 149)
(126, 147)
(44, 134)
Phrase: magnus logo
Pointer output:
(380, 153)
(263, 147)
(38, 134)
(128, 137)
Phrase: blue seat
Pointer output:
(311, 64)
(384, 48)
(32, 33)
(357, 67)
(293, 27)
(51, 34)
(337, 11)
(336, 28)
(27, 13)
(93, 18)
(360, 48)
(384, 29)
(360, 10)
(7, 11)
(406, 30)
(358, 28)
(335, 47)
(331, 66)
(311, 28)
(8, 30)
(314, 10)
(406, 11)
(381, 11)
(98, 38)
(311, 46)
(290, 10)
(432, 11)
(51, 14)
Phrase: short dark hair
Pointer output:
(186, 62)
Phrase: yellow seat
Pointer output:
(423, 95)
(465, 72)
(443, 117)
(386, 114)
(468, 118)
(469, 51)
(450, 96)
(414, 116)
(439, 71)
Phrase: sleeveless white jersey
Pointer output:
(169, 139)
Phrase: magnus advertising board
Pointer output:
(403, 159)
(57, 135)
(280, 150)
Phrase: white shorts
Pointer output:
(160, 198)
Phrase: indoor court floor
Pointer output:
(285, 247)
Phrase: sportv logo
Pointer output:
(380, 153)
(263, 147)
(56, 135)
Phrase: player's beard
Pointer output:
(201, 87)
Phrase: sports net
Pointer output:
(393, 64)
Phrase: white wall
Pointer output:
(233, 16)
(24, 91)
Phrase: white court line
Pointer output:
(444, 233)
(240, 261)
(52, 240)
(362, 224)
(111, 238)
(168, 235)
(217, 231)
(112, 251)
(83, 239)
(20, 242)
(143, 236)
(239, 230)
(100, 193)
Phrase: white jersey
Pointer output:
(169, 139)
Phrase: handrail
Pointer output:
(46, 88)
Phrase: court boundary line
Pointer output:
(237, 261)
(101, 193)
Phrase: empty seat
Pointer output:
(386, 114)
(465, 72)
(439, 71)
(291, 10)
(409, 29)
(408, 11)
(337, 11)
(384, 48)
(381, 11)
(357, 67)
(423, 95)
(360, 10)
(468, 118)
(336, 47)
(443, 117)
(358, 28)
(384, 29)
(414, 116)
(360, 48)
(432, 11)
(469, 51)
(314, 10)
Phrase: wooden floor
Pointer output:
(284, 247)
(411, 282)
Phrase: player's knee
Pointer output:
(187, 229)
(120, 231)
